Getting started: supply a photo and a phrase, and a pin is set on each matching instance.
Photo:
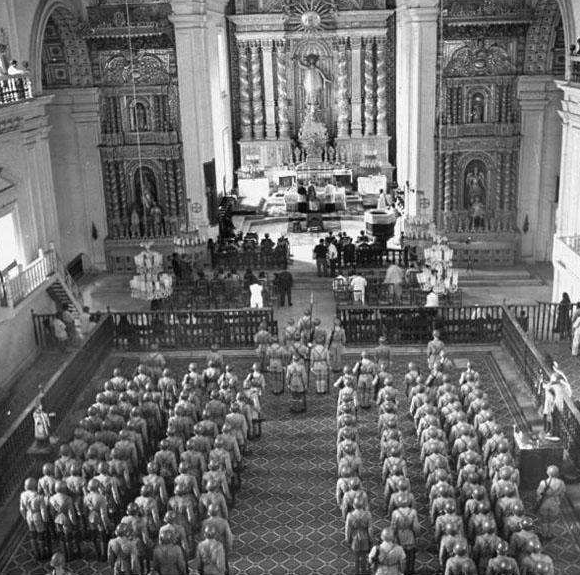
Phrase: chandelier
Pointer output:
(438, 275)
(150, 282)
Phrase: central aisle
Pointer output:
(286, 520)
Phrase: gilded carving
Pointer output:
(257, 99)
(245, 103)
(281, 77)
(381, 88)
(479, 59)
(145, 69)
(342, 92)
(369, 88)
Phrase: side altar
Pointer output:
(313, 93)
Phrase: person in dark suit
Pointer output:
(285, 282)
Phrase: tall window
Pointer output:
(8, 245)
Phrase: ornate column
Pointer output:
(417, 95)
(267, 49)
(245, 102)
(534, 202)
(257, 100)
(448, 183)
(282, 79)
(381, 87)
(356, 88)
(203, 100)
(369, 87)
(85, 113)
(565, 260)
(342, 91)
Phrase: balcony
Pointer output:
(21, 283)
(15, 88)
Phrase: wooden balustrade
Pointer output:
(410, 325)
(60, 394)
(33, 276)
(15, 88)
(185, 329)
(534, 368)
(545, 321)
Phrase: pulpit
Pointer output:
(534, 456)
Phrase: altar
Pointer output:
(314, 94)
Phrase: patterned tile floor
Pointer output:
(286, 522)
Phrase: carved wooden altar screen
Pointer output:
(479, 122)
(295, 56)
(141, 148)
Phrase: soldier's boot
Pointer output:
(255, 429)
(67, 545)
(410, 561)
(77, 538)
(36, 545)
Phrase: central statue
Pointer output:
(313, 81)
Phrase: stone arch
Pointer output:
(67, 14)
(541, 36)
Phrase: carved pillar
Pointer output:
(245, 103)
(369, 87)
(356, 96)
(381, 87)
(498, 182)
(267, 48)
(282, 79)
(342, 91)
(505, 168)
(448, 182)
(257, 100)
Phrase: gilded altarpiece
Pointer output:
(303, 64)
(134, 65)
(478, 139)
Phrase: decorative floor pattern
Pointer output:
(286, 522)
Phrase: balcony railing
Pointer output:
(15, 88)
(16, 289)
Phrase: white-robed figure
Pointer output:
(256, 297)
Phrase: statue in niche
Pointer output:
(145, 189)
(475, 191)
(477, 111)
(313, 81)
(140, 121)
(135, 223)
(156, 220)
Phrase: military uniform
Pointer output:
(358, 535)
(276, 357)
(387, 558)
(365, 371)
(296, 380)
(319, 367)
(405, 524)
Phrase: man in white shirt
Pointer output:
(394, 278)
(358, 284)
(256, 299)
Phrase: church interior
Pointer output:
(173, 172)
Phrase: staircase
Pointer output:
(63, 297)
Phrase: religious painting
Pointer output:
(145, 186)
(476, 182)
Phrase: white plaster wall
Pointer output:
(17, 335)
(24, 157)
(68, 187)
